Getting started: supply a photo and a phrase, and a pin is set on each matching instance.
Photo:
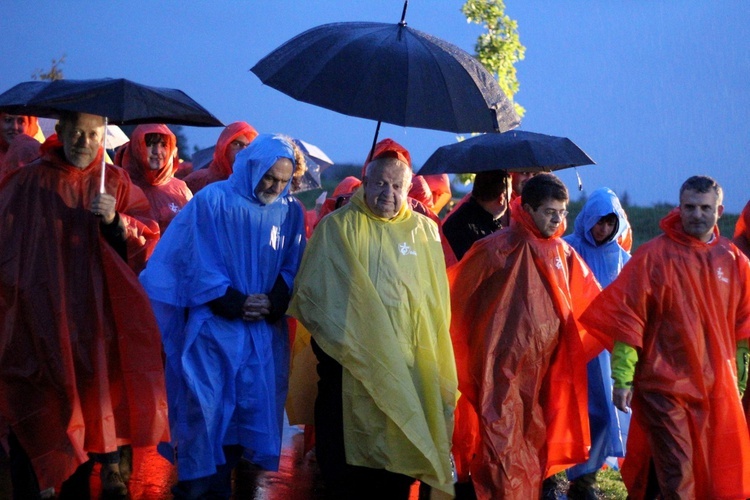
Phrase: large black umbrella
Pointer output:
(513, 151)
(121, 101)
(391, 73)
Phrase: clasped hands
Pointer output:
(256, 307)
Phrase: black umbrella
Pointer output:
(390, 73)
(121, 101)
(513, 151)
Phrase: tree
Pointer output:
(499, 47)
(54, 73)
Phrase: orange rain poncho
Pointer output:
(683, 304)
(521, 358)
(384, 317)
(166, 194)
(742, 231)
(23, 149)
(80, 353)
(220, 169)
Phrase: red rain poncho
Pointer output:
(220, 169)
(166, 194)
(21, 150)
(683, 304)
(80, 354)
(521, 358)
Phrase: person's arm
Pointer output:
(743, 360)
(624, 359)
(114, 235)
(279, 297)
(230, 305)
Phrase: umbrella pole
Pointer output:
(374, 142)
(104, 155)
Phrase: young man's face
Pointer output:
(548, 216)
(699, 213)
(604, 228)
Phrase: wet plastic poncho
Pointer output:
(608, 424)
(227, 379)
(220, 167)
(166, 194)
(521, 357)
(80, 353)
(683, 304)
(374, 295)
(742, 231)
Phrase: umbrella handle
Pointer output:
(104, 161)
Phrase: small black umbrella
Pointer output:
(390, 73)
(513, 151)
(121, 101)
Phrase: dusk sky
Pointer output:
(653, 91)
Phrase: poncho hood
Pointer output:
(133, 156)
(220, 165)
(602, 202)
(252, 163)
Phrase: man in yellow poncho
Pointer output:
(372, 290)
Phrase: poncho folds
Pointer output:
(608, 424)
(80, 355)
(166, 194)
(227, 379)
(374, 295)
(521, 357)
(683, 304)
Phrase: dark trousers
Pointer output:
(344, 481)
(215, 486)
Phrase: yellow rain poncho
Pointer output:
(374, 295)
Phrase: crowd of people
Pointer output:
(480, 352)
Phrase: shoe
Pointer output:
(112, 484)
(584, 488)
(126, 462)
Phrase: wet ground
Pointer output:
(153, 476)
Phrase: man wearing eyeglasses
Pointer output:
(520, 355)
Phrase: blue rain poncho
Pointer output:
(226, 379)
(609, 426)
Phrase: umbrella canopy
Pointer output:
(122, 101)
(513, 151)
(390, 73)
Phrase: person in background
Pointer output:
(18, 145)
(149, 158)
(520, 353)
(81, 369)
(387, 388)
(440, 185)
(595, 237)
(220, 281)
(480, 215)
(678, 320)
(233, 139)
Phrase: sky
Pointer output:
(653, 90)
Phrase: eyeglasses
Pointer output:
(551, 212)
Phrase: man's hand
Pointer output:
(621, 398)
(104, 206)
(256, 307)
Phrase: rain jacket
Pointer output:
(220, 168)
(521, 356)
(384, 317)
(80, 353)
(608, 424)
(227, 378)
(18, 152)
(683, 304)
(166, 194)
(742, 231)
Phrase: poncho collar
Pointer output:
(671, 224)
(521, 219)
(52, 151)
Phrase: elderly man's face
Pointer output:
(81, 138)
(699, 213)
(386, 186)
(13, 125)
(274, 181)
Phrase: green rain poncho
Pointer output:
(374, 295)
